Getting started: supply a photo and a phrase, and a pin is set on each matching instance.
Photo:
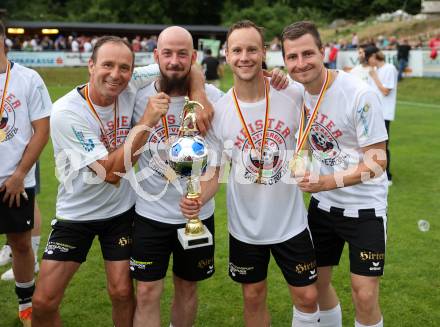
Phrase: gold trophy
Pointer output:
(188, 156)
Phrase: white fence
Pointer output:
(420, 64)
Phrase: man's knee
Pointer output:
(20, 243)
(254, 295)
(44, 304)
(121, 291)
(306, 297)
(148, 292)
(365, 299)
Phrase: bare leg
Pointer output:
(256, 313)
(327, 297)
(305, 298)
(120, 290)
(148, 295)
(23, 256)
(184, 307)
(36, 231)
(52, 282)
(365, 293)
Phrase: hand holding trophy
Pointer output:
(188, 156)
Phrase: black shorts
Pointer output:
(153, 243)
(17, 220)
(71, 241)
(366, 237)
(248, 263)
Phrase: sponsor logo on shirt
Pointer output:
(88, 145)
(362, 112)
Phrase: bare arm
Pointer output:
(115, 165)
(14, 185)
(385, 91)
(278, 79)
(197, 93)
(373, 165)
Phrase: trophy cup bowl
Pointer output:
(188, 157)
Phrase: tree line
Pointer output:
(273, 14)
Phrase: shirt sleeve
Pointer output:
(145, 75)
(72, 135)
(389, 78)
(140, 105)
(368, 120)
(213, 93)
(39, 102)
(213, 143)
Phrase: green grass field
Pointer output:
(409, 290)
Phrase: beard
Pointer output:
(174, 84)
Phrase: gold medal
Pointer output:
(2, 135)
(297, 165)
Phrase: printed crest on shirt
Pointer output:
(8, 119)
(157, 145)
(123, 124)
(274, 160)
(323, 141)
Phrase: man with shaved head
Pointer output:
(158, 215)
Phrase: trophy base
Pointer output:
(192, 242)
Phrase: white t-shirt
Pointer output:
(388, 77)
(349, 118)
(78, 142)
(272, 212)
(27, 100)
(361, 72)
(159, 199)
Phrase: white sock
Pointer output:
(379, 324)
(331, 318)
(303, 319)
(36, 245)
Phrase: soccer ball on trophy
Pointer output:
(188, 154)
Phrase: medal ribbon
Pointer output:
(266, 119)
(165, 127)
(5, 88)
(304, 132)
(98, 119)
